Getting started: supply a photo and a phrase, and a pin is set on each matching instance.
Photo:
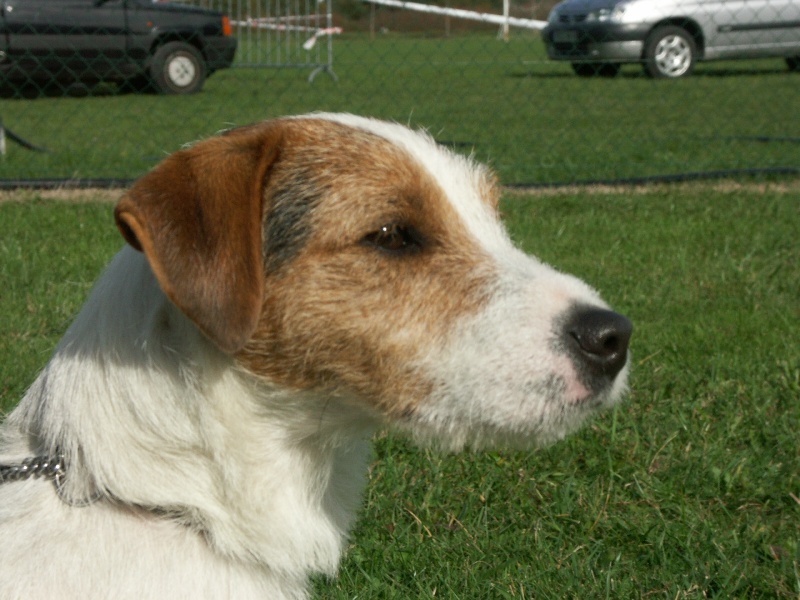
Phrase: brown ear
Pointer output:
(197, 217)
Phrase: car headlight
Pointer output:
(607, 15)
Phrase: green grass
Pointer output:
(690, 489)
(50, 254)
(532, 119)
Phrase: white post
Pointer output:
(506, 9)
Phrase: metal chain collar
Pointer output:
(47, 467)
(38, 466)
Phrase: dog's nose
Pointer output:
(600, 338)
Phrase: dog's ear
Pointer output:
(197, 217)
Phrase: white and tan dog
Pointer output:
(202, 430)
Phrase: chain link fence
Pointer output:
(591, 90)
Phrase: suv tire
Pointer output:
(177, 68)
(669, 52)
(793, 62)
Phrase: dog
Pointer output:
(287, 288)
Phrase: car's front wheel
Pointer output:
(793, 62)
(595, 69)
(669, 52)
(178, 68)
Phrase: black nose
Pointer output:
(600, 339)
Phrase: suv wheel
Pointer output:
(669, 52)
(592, 69)
(793, 62)
(178, 68)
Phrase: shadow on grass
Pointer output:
(31, 90)
(702, 73)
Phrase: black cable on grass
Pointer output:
(111, 184)
(764, 139)
(22, 141)
(673, 178)
(64, 184)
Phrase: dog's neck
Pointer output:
(168, 422)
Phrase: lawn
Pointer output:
(533, 120)
(690, 489)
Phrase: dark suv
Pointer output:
(172, 48)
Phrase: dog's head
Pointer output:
(358, 258)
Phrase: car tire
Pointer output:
(595, 69)
(177, 68)
(793, 62)
(669, 53)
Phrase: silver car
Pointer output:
(669, 36)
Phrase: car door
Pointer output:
(753, 28)
(67, 39)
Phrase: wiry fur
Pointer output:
(224, 456)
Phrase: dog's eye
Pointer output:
(395, 238)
